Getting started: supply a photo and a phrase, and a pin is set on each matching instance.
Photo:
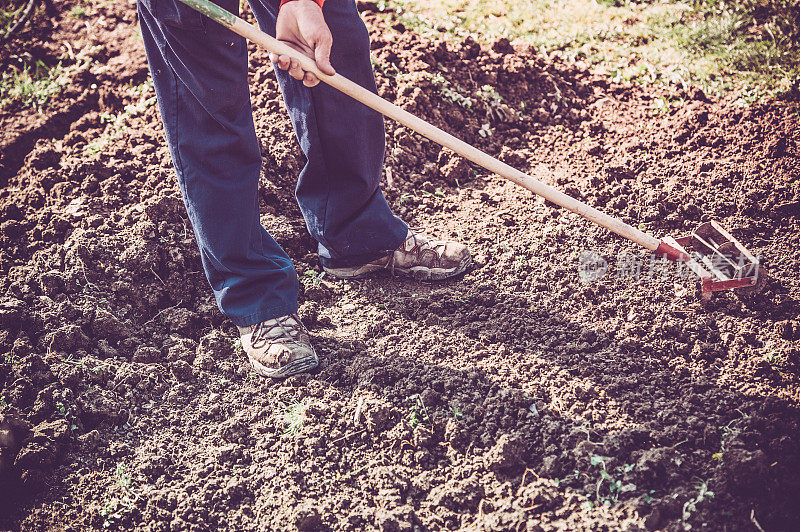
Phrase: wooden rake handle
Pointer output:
(424, 128)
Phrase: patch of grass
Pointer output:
(775, 358)
(36, 85)
(114, 509)
(751, 45)
(78, 12)
(294, 416)
(117, 124)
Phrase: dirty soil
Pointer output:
(533, 393)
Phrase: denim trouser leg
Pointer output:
(344, 141)
(199, 71)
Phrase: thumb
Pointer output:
(322, 55)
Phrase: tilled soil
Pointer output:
(527, 395)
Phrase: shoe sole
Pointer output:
(418, 273)
(349, 273)
(294, 367)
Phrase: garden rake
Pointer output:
(718, 259)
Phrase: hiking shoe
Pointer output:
(279, 348)
(419, 257)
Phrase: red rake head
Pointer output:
(718, 259)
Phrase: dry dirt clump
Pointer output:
(517, 397)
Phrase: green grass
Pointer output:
(34, 86)
(294, 416)
(78, 12)
(418, 412)
(718, 45)
(9, 14)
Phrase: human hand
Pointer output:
(300, 24)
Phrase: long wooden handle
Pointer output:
(424, 128)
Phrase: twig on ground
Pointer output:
(337, 440)
(753, 520)
(157, 276)
(357, 415)
(30, 7)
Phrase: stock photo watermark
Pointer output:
(592, 267)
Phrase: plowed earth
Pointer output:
(522, 396)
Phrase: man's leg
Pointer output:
(343, 140)
(199, 71)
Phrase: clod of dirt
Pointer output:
(744, 469)
(454, 169)
(505, 454)
(458, 494)
(307, 516)
(13, 431)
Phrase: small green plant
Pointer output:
(123, 476)
(418, 413)
(115, 508)
(64, 412)
(312, 278)
(236, 344)
(78, 12)
(574, 476)
(93, 148)
(648, 497)
(438, 193)
(457, 413)
(406, 198)
(729, 432)
(485, 131)
(703, 494)
(294, 416)
(112, 512)
(615, 483)
(775, 358)
(12, 359)
(451, 92)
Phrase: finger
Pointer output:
(296, 71)
(283, 62)
(322, 54)
(310, 80)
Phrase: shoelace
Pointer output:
(262, 332)
(412, 235)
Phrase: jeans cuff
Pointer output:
(264, 314)
(361, 259)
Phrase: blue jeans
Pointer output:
(199, 70)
